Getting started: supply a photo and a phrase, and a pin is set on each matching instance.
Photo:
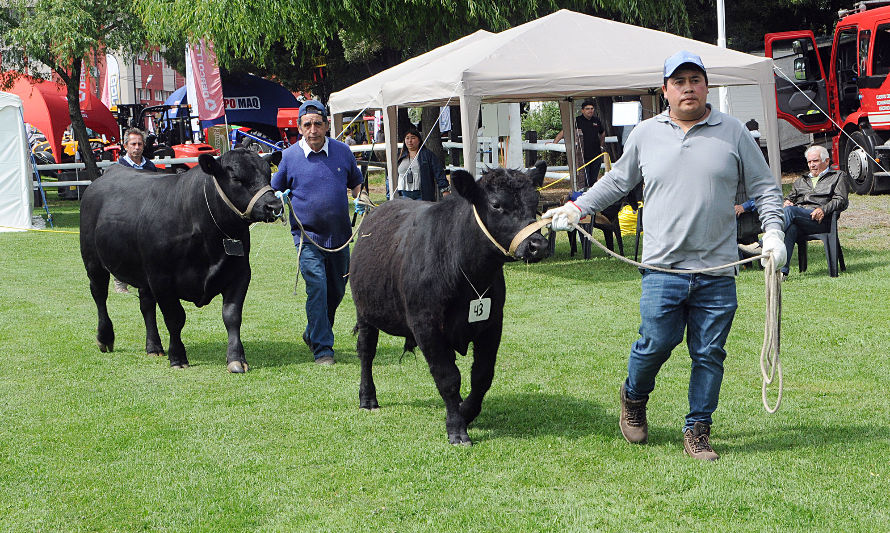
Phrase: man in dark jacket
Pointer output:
(813, 198)
(134, 144)
(593, 137)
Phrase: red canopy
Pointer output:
(46, 108)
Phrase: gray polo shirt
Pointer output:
(690, 184)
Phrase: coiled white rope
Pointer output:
(770, 365)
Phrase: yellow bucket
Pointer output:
(627, 220)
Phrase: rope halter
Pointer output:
(523, 234)
(246, 213)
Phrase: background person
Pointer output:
(134, 144)
(813, 197)
(692, 158)
(421, 173)
(593, 137)
(318, 171)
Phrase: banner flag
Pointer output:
(111, 89)
(205, 83)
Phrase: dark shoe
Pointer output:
(696, 443)
(306, 339)
(325, 360)
(633, 419)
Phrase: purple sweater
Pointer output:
(318, 191)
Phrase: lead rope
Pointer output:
(285, 197)
(770, 364)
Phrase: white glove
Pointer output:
(774, 245)
(563, 218)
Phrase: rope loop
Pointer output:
(770, 364)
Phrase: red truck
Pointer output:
(852, 103)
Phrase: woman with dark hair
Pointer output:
(420, 171)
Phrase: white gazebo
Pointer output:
(562, 56)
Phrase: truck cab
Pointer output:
(841, 89)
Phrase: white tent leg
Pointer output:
(771, 130)
(514, 146)
(469, 118)
(391, 132)
(567, 114)
(336, 125)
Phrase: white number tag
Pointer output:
(479, 310)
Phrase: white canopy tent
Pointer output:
(16, 189)
(561, 56)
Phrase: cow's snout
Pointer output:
(268, 210)
(533, 249)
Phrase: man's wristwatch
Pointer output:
(443, 190)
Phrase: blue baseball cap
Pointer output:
(681, 58)
(312, 107)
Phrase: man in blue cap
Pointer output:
(318, 171)
(692, 158)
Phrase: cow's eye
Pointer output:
(496, 205)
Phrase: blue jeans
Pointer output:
(704, 307)
(325, 276)
(797, 223)
(414, 195)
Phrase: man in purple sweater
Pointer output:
(318, 171)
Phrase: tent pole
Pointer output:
(469, 118)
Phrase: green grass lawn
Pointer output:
(120, 442)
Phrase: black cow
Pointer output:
(418, 270)
(177, 237)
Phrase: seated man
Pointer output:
(812, 200)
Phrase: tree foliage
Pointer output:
(288, 40)
(61, 38)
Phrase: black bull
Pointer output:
(165, 233)
(416, 268)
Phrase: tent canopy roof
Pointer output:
(564, 54)
(46, 108)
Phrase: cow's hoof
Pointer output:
(104, 348)
(235, 367)
(460, 441)
(370, 405)
(180, 367)
(156, 354)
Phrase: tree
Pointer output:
(286, 40)
(63, 36)
(747, 21)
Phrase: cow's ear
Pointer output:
(274, 158)
(537, 173)
(209, 164)
(464, 183)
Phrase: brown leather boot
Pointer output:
(633, 419)
(696, 443)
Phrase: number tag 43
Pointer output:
(479, 310)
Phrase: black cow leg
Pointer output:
(447, 377)
(174, 318)
(366, 348)
(485, 352)
(99, 289)
(148, 306)
(233, 303)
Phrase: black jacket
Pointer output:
(830, 193)
(432, 173)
